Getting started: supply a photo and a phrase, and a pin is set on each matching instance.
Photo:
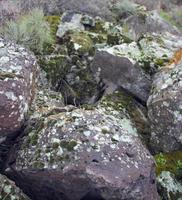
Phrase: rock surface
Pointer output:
(164, 108)
(119, 70)
(92, 152)
(8, 190)
(70, 22)
(149, 22)
(18, 74)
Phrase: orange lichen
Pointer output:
(176, 58)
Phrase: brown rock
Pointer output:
(18, 73)
(78, 154)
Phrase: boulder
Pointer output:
(70, 22)
(169, 187)
(164, 107)
(118, 67)
(92, 152)
(149, 22)
(8, 190)
(18, 75)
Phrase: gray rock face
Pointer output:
(164, 109)
(121, 70)
(70, 22)
(93, 7)
(88, 153)
(151, 5)
(150, 22)
(18, 73)
(8, 11)
(8, 190)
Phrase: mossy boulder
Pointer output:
(80, 43)
(134, 112)
(74, 145)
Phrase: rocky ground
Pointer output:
(98, 114)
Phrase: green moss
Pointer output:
(54, 22)
(118, 101)
(82, 41)
(166, 16)
(55, 145)
(56, 67)
(4, 75)
(38, 164)
(99, 27)
(169, 162)
(88, 107)
(69, 145)
(105, 131)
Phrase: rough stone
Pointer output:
(85, 153)
(18, 75)
(164, 107)
(116, 66)
(69, 22)
(149, 22)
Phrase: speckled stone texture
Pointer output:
(9, 191)
(79, 153)
(165, 109)
(18, 73)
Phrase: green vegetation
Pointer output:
(124, 9)
(31, 31)
(169, 162)
(166, 16)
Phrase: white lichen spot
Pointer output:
(11, 96)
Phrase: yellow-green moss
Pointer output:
(54, 22)
(82, 40)
(118, 101)
(55, 67)
(4, 75)
(69, 145)
(169, 162)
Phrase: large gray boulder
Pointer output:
(18, 76)
(70, 22)
(86, 153)
(117, 67)
(164, 108)
(150, 22)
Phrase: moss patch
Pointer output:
(169, 162)
(55, 67)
